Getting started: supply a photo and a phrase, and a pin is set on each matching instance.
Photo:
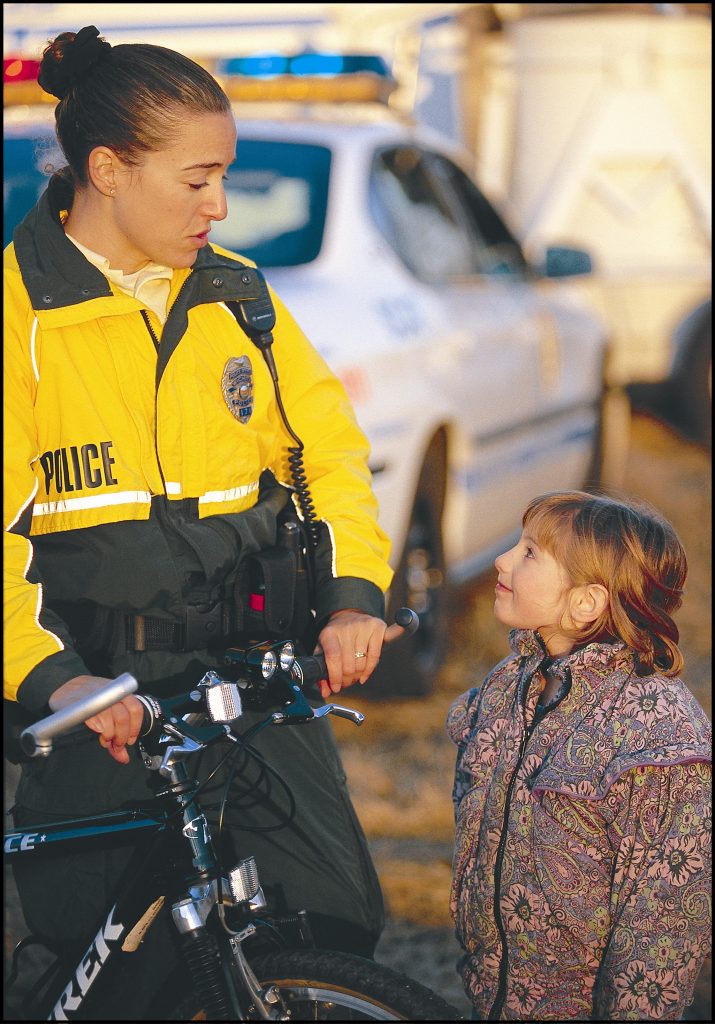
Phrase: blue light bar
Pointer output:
(261, 66)
(314, 64)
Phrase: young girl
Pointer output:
(581, 886)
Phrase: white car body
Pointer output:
(510, 370)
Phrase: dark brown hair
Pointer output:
(632, 551)
(131, 98)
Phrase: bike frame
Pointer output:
(180, 865)
(141, 892)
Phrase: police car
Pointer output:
(477, 378)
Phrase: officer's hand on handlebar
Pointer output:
(118, 726)
(352, 643)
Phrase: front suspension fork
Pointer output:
(226, 985)
(266, 1003)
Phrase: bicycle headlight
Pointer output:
(286, 657)
(269, 663)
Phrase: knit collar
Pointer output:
(529, 645)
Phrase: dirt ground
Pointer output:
(400, 762)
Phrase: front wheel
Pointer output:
(323, 985)
(337, 986)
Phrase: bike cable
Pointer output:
(240, 802)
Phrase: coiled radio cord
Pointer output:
(295, 452)
(257, 317)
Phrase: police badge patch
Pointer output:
(237, 387)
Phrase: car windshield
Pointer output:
(277, 195)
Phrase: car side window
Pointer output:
(496, 251)
(25, 177)
(421, 222)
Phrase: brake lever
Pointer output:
(356, 717)
(299, 710)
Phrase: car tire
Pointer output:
(408, 668)
(610, 457)
(693, 389)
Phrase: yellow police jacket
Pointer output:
(121, 437)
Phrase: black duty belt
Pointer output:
(270, 598)
(199, 630)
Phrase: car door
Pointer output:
(487, 343)
(554, 396)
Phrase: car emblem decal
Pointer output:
(237, 387)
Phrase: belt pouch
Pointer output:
(265, 591)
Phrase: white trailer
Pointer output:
(595, 129)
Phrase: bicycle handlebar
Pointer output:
(36, 740)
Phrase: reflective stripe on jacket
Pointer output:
(100, 424)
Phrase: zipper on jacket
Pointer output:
(152, 335)
(498, 1003)
(167, 348)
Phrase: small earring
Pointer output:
(112, 191)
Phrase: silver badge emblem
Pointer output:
(237, 387)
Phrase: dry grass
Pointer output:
(416, 891)
(404, 802)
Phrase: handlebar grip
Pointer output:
(313, 668)
(409, 620)
(36, 740)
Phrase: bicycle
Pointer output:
(240, 958)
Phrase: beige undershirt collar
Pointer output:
(150, 285)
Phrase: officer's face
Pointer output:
(163, 209)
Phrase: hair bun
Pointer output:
(68, 58)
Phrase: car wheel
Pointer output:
(610, 457)
(408, 668)
(694, 390)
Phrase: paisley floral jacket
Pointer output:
(581, 884)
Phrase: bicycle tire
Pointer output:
(324, 985)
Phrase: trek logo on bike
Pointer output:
(88, 968)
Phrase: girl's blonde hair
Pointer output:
(632, 551)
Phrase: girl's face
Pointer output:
(532, 593)
(163, 209)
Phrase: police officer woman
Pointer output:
(137, 487)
